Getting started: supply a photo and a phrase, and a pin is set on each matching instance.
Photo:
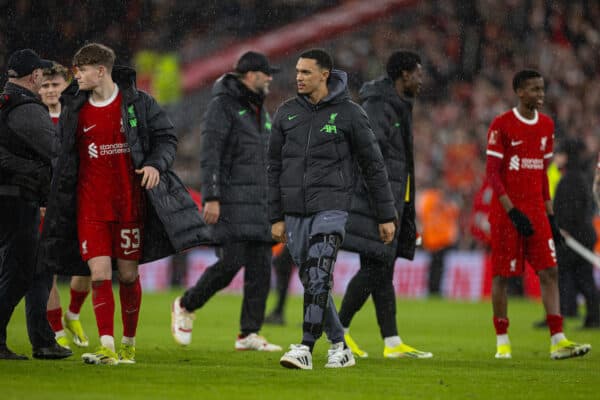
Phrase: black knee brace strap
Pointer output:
(317, 299)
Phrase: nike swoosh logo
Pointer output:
(516, 142)
(291, 117)
(128, 252)
(85, 129)
(242, 112)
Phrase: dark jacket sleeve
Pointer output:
(274, 170)
(33, 126)
(367, 152)
(163, 141)
(217, 128)
(375, 110)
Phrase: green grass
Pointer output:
(459, 334)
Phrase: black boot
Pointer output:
(52, 352)
(8, 354)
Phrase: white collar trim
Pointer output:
(524, 120)
(106, 102)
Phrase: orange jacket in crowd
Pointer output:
(439, 219)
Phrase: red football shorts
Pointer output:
(510, 250)
(114, 239)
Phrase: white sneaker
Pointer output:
(255, 342)
(338, 357)
(298, 357)
(182, 323)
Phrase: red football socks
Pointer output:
(104, 307)
(55, 319)
(77, 299)
(555, 323)
(501, 325)
(131, 299)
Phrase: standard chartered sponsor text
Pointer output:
(114, 148)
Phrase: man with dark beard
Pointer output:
(234, 192)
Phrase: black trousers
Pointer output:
(576, 275)
(255, 257)
(19, 237)
(375, 278)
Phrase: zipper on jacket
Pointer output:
(312, 115)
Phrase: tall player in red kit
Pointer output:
(109, 202)
(114, 199)
(54, 81)
(520, 143)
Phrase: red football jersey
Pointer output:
(525, 146)
(107, 188)
(54, 117)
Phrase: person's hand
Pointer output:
(278, 232)
(521, 222)
(559, 239)
(386, 232)
(150, 177)
(211, 212)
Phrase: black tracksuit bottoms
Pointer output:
(255, 257)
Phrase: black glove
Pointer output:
(521, 222)
(559, 239)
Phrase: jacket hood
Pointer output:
(337, 86)
(123, 76)
(383, 88)
(230, 85)
(19, 90)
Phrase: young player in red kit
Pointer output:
(55, 80)
(522, 224)
(114, 200)
(109, 202)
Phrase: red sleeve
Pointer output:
(492, 172)
(495, 158)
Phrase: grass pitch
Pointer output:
(460, 335)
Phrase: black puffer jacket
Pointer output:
(233, 160)
(172, 222)
(312, 152)
(391, 118)
(27, 144)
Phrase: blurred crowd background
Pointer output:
(470, 50)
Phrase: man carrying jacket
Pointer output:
(114, 199)
(316, 138)
(27, 145)
(388, 102)
(234, 190)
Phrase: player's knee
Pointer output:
(548, 276)
(127, 277)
